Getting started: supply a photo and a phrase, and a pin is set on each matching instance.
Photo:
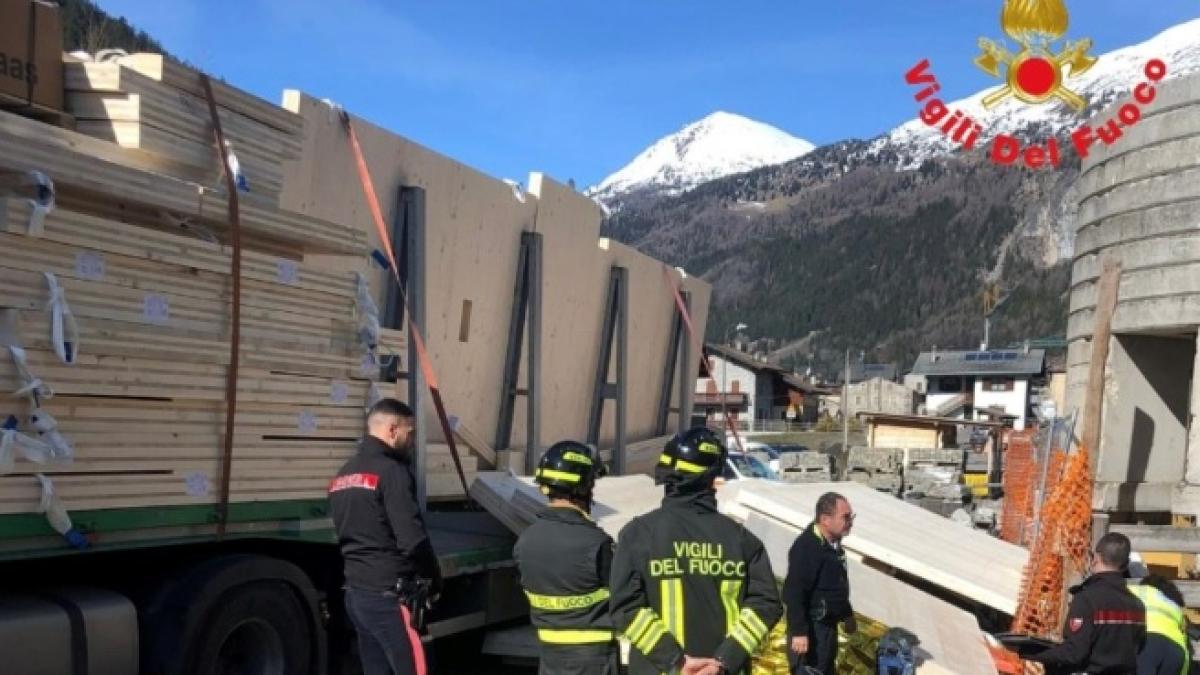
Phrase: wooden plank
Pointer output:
(38, 256)
(1161, 538)
(93, 375)
(26, 145)
(117, 338)
(1106, 304)
(73, 228)
(182, 114)
(92, 300)
(158, 67)
(1191, 593)
(264, 174)
(904, 536)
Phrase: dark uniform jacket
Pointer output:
(817, 587)
(378, 521)
(687, 579)
(1104, 630)
(565, 559)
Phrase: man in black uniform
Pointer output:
(565, 559)
(385, 546)
(692, 590)
(816, 591)
(1105, 624)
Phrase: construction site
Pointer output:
(202, 292)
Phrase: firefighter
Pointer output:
(692, 590)
(564, 559)
(391, 570)
(1105, 624)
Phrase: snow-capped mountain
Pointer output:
(1114, 76)
(719, 145)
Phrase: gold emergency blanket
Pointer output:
(856, 653)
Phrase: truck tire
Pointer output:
(258, 629)
(234, 615)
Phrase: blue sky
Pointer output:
(576, 88)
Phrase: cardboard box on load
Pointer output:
(30, 71)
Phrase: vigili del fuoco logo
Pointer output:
(1041, 70)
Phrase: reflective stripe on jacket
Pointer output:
(564, 559)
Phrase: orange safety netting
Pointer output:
(1060, 548)
(1020, 482)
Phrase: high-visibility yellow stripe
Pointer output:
(664, 459)
(558, 475)
(731, 591)
(569, 636)
(688, 467)
(560, 603)
(640, 624)
(672, 607)
(744, 639)
(577, 457)
(656, 633)
(709, 448)
(753, 623)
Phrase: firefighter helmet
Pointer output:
(569, 466)
(696, 454)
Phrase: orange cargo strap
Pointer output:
(691, 329)
(364, 175)
(231, 375)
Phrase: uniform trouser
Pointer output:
(822, 650)
(387, 642)
(1161, 656)
(592, 659)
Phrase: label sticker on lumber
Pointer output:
(89, 265)
(156, 308)
(338, 392)
(307, 423)
(287, 272)
(196, 484)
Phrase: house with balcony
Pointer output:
(992, 385)
(751, 390)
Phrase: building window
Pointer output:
(950, 385)
(998, 384)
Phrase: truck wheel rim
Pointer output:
(253, 647)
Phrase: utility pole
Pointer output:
(846, 406)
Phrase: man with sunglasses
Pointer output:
(816, 591)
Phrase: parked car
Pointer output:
(740, 466)
(786, 448)
(752, 447)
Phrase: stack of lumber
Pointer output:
(138, 243)
(149, 102)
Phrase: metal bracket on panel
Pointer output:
(616, 324)
(526, 315)
(678, 358)
(408, 235)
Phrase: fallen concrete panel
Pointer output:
(950, 639)
(906, 537)
(516, 501)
